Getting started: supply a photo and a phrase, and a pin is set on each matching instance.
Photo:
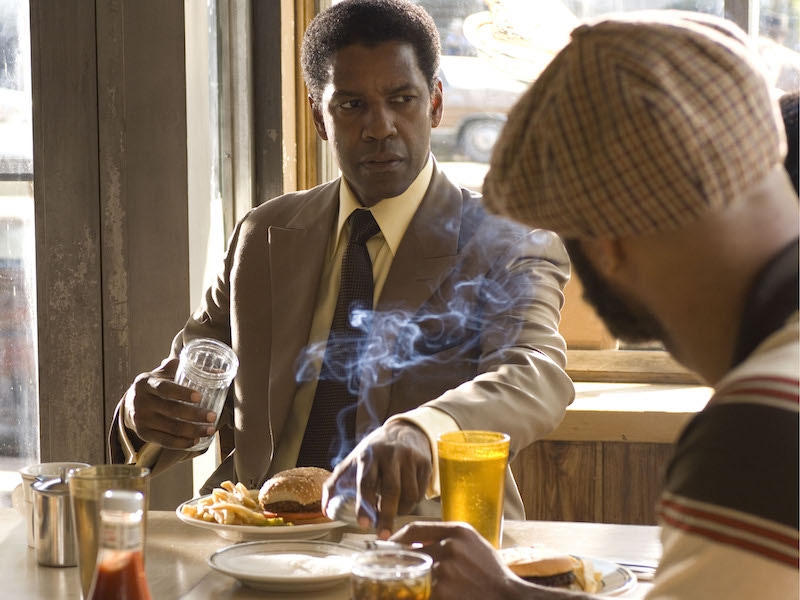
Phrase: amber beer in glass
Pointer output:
(391, 575)
(472, 471)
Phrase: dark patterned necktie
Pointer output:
(331, 424)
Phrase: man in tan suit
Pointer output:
(466, 305)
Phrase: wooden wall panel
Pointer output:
(67, 216)
(143, 198)
(604, 482)
(559, 480)
(632, 478)
(110, 194)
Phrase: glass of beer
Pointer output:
(391, 575)
(86, 487)
(472, 471)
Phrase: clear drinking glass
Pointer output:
(391, 574)
(207, 366)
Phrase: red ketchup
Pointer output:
(119, 573)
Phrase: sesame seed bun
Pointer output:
(549, 567)
(531, 561)
(294, 490)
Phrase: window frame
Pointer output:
(110, 205)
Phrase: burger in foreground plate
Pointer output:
(551, 568)
(295, 495)
(291, 497)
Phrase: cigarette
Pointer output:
(389, 545)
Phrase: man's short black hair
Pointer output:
(367, 22)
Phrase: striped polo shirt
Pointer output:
(733, 479)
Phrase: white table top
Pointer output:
(176, 558)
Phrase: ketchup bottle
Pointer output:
(119, 572)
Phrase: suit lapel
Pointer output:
(425, 258)
(429, 250)
(296, 257)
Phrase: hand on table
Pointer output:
(466, 566)
(389, 471)
(159, 410)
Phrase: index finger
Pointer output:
(389, 492)
(154, 395)
(367, 493)
(169, 390)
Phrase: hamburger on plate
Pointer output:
(552, 568)
(295, 495)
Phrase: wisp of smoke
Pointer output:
(398, 340)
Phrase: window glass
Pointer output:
(493, 49)
(19, 416)
(209, 193)
(779, 41)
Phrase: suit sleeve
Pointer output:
(521, 368)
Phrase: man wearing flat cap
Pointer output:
(653, 146)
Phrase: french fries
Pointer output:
(231, 505)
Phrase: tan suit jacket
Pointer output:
(478, 298)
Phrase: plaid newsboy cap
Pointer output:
(644, 122)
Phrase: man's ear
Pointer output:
(436, 104)
(605, 254)
(319, 122)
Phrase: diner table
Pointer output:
(176, 558)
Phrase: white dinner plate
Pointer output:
(616, 578)
(244, 533)
(285, 566)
